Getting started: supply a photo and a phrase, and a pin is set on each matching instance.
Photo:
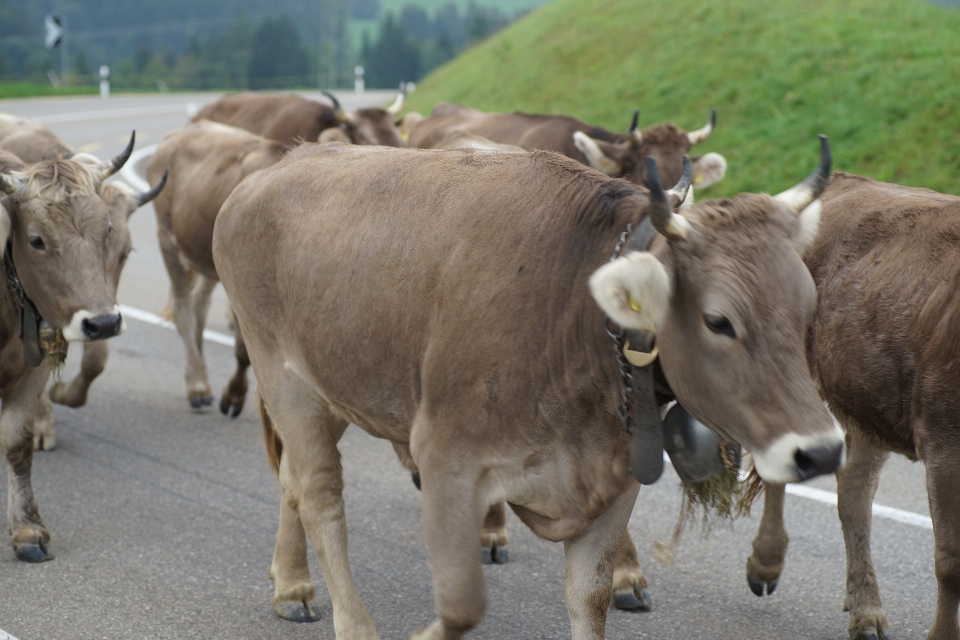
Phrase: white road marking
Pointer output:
(129, 172)
(6, 636)
(154, 319)
(106, 114)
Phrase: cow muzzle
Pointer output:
(86, 326)
(795, 457)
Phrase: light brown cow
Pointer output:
(66, 239)
(613, 154)
(463, 327)
(206, 161)
(291, 119)
(884, 353)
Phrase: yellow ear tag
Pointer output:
(633, 304)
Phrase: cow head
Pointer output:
(371, 125)
(731, 301)
(68, 236)
(667, 144)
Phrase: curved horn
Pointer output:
(342, 114)
(633, 131)
(799, 197)
(9, 184)
(397, 106)
(664, 220)
(110, 167)
(698, 136)
(147, 196)
(680, 189)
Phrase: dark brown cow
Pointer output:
(615, 155)
(469, 326)
(66, 239)
(291, 119)
(885, 352)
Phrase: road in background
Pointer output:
(163, 519)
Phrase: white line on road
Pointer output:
(154, 319)
(104, 114)
(879, 510)
(6, 636)
(129, 172)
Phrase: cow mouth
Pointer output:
(795, 458)
(86, 325)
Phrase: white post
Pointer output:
(104, 81)
(358, 79)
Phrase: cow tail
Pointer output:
(270, 437)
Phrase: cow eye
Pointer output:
(37, 243)
(719, 324)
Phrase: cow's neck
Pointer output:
(38, 337)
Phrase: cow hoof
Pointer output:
(416, 480)
(207, 401)
(196, 403)
(869, 625)
(757, 585)
(633, 600)
(31, 552)
(494, 555)
(296, 611)
(44, 443)
(228, 409)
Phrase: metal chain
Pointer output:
(626, 388)
(13, 282)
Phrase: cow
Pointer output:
(884, 353)
(291, 119)
(470, 326)
(612, 154)
(32, 142)
(65, 238)
(205, 161)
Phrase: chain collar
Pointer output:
(626, 378)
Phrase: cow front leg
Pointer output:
(30, 538)
(590, 558)
(940, 457)
(74, 394)
(856, 487)
(765, 564)
(44, 429)
(235, 393)
(493, 536)
(629, 584)
(198, 388)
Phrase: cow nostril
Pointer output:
(817, 461)
(103, 326)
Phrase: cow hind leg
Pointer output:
(943, 488)
(493, 536)
(200, 302)
(30, 538)
(94, 360)
(45, 433)
(629, 584)
(856, 487)
(235, 393)
(765, 564)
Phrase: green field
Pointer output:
(29, 89)
(880, 77)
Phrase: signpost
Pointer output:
(55, 27)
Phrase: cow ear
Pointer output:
(708, 169)
(808, 224)
(598, 156)
(634, 291)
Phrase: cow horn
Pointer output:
(110, 167)
(698, 136)
(397, 106)
(9, 184)
(633, 131)
(681, 188)
(799, 197)
(342, 114)
(664, 220)
(147, 196)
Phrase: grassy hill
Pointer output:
(880, 77)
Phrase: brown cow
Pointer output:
(464, 328)
(614, 155)
(206, 161)
(65, 237)
(884, 352)
(290, 119)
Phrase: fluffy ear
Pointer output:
(333, 134)
(633, 290)
(595, 155)
(85, 158)
(808, 225)
(708, 169)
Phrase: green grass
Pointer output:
(880, 77)
(30, 89)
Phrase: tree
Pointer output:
(365, 9)
(415, 22)
(394, 57)
(276, 57)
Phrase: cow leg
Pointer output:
(590, 557)
(198, 388)
(235, 393)
(629, 584)
(18, 412)
(856, 486)
(940, 455)
(765, 564)
(44, 430)
(493, 536)
(92, 364)
(312, 481)
(294, 593)
(200, 301)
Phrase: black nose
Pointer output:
(103, 326)
(818, 461)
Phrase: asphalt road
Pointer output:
(163, 519)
